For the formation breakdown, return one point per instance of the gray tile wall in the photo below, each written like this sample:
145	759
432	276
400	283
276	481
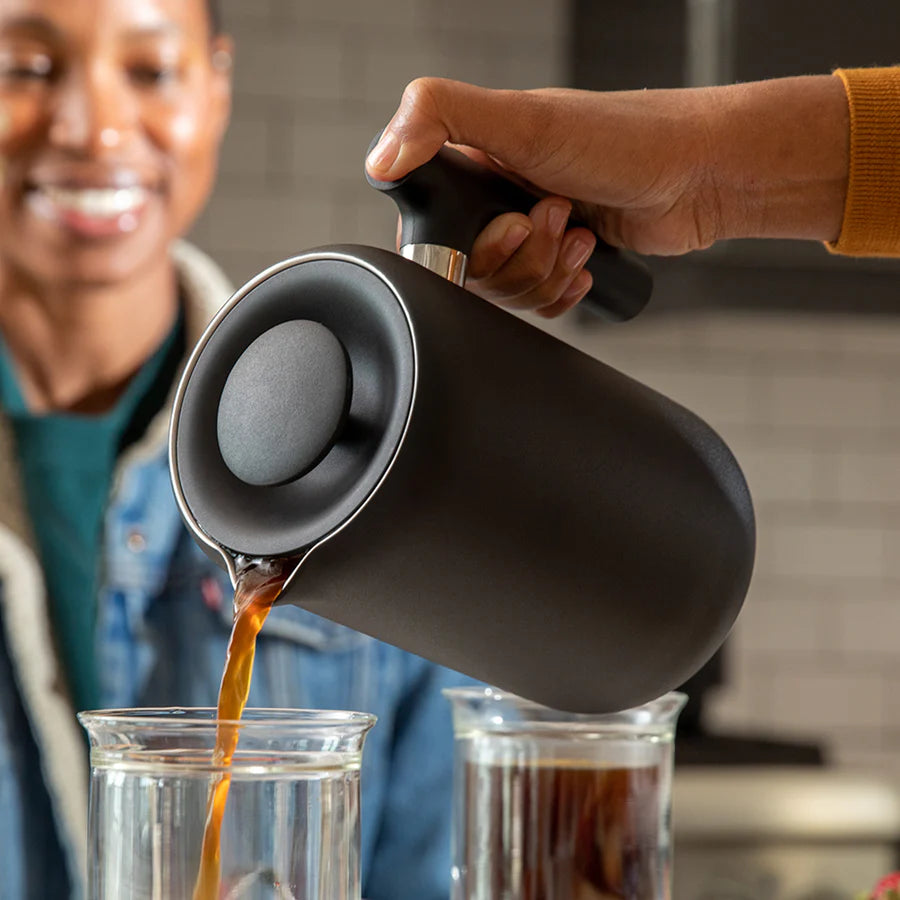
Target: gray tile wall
315	81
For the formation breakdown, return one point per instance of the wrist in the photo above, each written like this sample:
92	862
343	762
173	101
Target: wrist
779	157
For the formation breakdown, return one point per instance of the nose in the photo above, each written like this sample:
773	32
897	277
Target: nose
93	111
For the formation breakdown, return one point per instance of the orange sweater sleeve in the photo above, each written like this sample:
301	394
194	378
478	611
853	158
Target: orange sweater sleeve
871	224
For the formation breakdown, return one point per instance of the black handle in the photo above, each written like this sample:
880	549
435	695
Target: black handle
451	198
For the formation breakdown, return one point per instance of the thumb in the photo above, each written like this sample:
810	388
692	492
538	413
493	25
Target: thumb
436	110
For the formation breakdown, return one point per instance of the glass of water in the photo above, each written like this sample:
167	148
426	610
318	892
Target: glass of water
291	824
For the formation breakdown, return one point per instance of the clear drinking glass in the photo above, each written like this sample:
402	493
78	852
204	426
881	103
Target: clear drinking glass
291	825
555	806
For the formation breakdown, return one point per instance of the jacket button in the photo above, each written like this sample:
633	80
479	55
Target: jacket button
136	542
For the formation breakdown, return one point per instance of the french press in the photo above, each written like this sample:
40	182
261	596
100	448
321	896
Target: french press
454	481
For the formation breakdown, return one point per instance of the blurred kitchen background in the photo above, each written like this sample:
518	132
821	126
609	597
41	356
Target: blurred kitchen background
792	354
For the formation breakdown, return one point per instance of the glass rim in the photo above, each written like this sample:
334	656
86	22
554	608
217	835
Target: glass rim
656	714
487	692
199	717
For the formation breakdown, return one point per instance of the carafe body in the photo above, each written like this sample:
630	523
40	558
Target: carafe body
496	500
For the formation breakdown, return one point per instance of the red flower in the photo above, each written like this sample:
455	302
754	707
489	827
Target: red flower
888	888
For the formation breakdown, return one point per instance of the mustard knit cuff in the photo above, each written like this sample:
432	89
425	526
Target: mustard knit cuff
871	225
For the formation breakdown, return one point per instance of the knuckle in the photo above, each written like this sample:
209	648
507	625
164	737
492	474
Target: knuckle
535	270
421	93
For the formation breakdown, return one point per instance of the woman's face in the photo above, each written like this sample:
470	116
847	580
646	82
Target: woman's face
111	113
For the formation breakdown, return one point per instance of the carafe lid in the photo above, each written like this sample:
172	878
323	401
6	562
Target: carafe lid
293	405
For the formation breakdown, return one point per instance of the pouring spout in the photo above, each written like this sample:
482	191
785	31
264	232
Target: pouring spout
281	569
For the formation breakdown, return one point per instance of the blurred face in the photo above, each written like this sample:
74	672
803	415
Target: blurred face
111	113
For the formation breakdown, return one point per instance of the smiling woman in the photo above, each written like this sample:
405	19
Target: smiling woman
111	115
114	123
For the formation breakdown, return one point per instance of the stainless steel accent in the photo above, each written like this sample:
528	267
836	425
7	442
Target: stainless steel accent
709	39
444	261
227	555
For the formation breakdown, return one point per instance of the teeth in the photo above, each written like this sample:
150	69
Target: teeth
100	203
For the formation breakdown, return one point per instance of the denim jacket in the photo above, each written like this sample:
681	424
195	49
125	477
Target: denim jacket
164	616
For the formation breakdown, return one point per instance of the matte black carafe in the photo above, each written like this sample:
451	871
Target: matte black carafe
455	481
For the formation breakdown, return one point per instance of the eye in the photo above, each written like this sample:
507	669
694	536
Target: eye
150	75
20	68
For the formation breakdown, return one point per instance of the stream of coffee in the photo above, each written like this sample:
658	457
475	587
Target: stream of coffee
258	585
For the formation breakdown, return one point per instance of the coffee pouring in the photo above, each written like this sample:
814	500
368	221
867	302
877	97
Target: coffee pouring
450	479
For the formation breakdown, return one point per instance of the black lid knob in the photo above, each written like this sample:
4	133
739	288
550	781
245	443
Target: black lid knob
283	403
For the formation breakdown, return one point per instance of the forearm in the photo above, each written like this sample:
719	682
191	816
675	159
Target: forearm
665	172
778	157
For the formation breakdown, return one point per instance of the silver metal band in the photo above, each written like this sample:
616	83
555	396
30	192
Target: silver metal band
446	262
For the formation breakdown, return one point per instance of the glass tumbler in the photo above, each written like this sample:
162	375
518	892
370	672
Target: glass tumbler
557	806
291	824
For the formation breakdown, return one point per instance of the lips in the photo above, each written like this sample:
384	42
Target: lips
90	210
98	203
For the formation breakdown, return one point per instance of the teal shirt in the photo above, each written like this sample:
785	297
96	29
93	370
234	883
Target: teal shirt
67	462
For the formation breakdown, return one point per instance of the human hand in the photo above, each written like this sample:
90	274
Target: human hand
658	172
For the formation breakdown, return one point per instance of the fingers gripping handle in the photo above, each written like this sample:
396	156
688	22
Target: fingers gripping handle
450	199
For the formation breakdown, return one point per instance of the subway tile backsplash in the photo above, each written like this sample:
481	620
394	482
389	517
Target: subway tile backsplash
313	84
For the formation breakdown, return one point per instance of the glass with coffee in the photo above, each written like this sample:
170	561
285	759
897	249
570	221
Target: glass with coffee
290	830
558	806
